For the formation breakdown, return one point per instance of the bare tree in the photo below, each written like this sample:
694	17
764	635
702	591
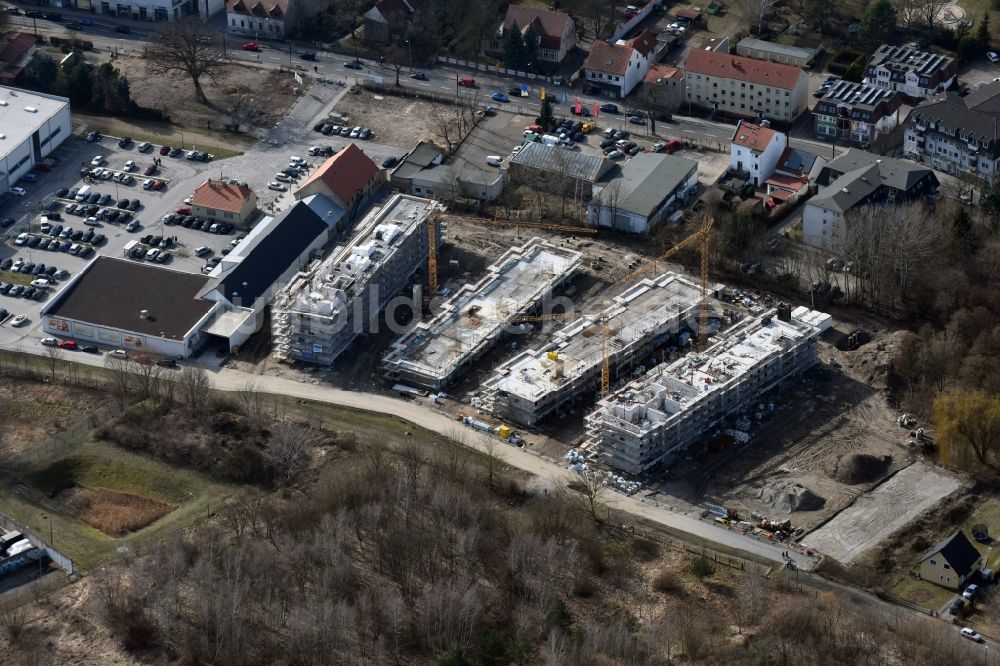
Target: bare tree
187	45
591	485
442	124
14	618
120	378
491	448
287	450
608	199
53	356
753	12
251	400
146	378
194	387
397	58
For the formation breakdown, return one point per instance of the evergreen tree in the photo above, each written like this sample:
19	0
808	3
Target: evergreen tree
983	33
513	49
963	235
546	117
531	41
454	656
878	23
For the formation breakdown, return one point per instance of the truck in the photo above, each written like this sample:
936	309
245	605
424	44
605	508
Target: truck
502	432
550	140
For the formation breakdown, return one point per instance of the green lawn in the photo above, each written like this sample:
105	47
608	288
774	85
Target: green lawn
922	593
974	10
101	465
988	513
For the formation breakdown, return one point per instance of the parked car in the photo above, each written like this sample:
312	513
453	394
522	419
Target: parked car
970	591
609	108
956	606
637	120
972	634
68	343
164	150
118	353
19	320
18	191
993	57
93	136
49	342
616	155
144	147
277	187
499	97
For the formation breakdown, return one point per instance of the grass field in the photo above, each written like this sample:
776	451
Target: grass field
220	144
987	513
922	593
96	465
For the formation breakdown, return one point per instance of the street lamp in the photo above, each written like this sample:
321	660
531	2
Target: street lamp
46	519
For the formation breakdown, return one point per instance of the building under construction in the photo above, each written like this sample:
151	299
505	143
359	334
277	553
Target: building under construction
652	313
648	422
434	353
320	313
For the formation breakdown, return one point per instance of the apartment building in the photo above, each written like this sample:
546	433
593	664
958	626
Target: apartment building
745	86
649	422
321	312
856	112
556	32
614	70
912	72
957	134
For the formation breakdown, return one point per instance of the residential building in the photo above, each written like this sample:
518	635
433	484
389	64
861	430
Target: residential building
389	20
152	10
745	86
793	173
261	19
349	179
854	179
556	32
952	562
912	72
755	149
16	52
856	113
327	308
787	55
131	305
613	70
32	125
558	170
544	381
642	192
649	422
664	86
957	134
225	201
436	352
423	173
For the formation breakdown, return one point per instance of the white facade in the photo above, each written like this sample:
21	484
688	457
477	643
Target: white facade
912	86
261	27
32	125
946	153
758	161
121	338
822	228
744	98
621	84
158	10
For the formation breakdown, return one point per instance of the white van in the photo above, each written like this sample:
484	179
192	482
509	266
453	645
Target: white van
494	160
84	192
550	140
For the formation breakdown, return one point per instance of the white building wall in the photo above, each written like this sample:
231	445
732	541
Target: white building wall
822	228
46	139
255	26
760	164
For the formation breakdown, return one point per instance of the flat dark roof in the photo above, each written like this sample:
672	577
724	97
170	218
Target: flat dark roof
112	292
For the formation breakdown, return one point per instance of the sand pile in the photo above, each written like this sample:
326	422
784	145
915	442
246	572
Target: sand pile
789	496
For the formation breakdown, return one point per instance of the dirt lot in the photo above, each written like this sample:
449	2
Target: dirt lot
246	95
878	513
396	121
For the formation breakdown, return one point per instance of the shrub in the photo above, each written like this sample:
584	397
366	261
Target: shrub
701	568
668	582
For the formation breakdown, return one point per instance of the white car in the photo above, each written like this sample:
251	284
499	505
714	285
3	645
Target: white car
118	353
993	57
277	187
97	161
283	177
130	165
970	591
189	200
50	342
355	132
517	149
21	239
19	320
18	191
147	184
972	634
40	282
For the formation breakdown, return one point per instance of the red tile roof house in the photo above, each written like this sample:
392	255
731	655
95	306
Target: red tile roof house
348	179
15	55
224	201
262	19
556	32
746	86
393	19
614	70
756	150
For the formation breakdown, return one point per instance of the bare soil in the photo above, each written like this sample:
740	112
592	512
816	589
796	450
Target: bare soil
394	120
117	513
246	95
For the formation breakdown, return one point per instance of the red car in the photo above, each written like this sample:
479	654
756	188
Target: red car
673	146
67	344
164	150
158	184
537	129
251	46
183	210
467	82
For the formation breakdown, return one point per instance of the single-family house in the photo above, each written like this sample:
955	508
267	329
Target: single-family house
392	19
556	32
613	70
261	19
225	201
756	149
951	562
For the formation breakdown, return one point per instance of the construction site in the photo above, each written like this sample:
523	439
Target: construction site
583	355
320	312
649	421
473	320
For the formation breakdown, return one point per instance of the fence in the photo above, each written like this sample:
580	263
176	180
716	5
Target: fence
59	558
502	71
891	598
